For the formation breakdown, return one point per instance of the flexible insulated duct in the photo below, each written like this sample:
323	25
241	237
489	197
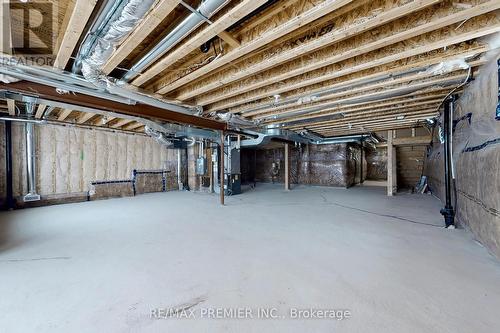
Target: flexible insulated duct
113	27
204	12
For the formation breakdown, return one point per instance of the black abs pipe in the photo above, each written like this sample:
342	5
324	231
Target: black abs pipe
9	200
448	211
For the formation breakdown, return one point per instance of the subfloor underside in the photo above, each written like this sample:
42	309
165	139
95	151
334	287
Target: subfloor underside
115	265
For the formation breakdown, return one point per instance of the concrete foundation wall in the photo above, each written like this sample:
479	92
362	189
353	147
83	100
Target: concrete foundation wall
70	158
476	159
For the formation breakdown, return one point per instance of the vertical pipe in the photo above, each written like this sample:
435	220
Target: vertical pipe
287	167
221	168
9	200
30	156
448	212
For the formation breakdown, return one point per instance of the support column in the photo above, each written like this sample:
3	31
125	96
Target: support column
391	165
287	167
221	169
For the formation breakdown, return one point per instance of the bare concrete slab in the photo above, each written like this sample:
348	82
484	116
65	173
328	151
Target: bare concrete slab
104	266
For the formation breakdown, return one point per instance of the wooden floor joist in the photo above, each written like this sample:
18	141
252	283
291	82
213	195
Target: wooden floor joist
84	117
360	113
79	17
64	114
349	77
375	95
304	18
396	103
40	111
155	16
335	67
394	32
342	29
216	28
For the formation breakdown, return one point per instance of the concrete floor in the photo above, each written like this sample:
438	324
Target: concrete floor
104	266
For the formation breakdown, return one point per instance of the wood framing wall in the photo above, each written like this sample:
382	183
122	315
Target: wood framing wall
69	158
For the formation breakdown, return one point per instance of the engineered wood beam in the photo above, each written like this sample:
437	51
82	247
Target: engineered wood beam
79	18
292	24
216	28
437	17
413	141
155	16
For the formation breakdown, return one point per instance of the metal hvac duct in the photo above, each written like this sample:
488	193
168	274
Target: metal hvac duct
202	14
30	156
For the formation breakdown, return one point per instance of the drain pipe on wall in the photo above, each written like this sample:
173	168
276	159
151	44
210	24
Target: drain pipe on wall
30	156
448	211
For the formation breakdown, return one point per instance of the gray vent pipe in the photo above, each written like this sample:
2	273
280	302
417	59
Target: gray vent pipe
204	12
30	156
